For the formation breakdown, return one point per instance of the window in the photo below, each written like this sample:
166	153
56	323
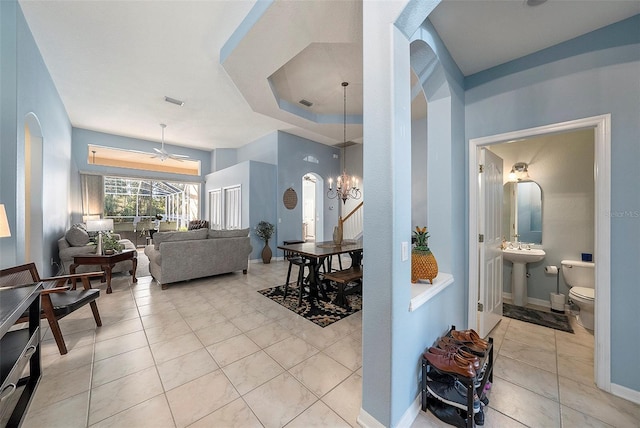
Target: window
233	207
225	208
128	199
215	209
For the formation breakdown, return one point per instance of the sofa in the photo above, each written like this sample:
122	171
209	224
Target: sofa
77	241
181	256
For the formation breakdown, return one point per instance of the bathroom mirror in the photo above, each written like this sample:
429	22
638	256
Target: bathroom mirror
522	212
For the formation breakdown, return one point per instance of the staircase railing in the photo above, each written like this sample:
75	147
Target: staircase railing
352	223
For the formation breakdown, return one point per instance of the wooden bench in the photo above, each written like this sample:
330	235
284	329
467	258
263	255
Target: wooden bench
342	278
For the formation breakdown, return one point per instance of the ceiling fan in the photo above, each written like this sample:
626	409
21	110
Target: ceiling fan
162	154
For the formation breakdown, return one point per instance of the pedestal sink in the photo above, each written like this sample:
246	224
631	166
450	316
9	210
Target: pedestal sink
520	258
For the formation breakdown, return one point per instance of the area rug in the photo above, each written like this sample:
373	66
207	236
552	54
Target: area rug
318	311
533	316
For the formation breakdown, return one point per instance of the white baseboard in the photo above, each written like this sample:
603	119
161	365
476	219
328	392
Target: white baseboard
365	420
626	393
411	413
530	300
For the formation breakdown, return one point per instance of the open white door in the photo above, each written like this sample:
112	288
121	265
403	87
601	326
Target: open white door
490	254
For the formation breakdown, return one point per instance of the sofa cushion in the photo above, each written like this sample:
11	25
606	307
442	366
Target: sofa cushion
231	233
190	235
77	236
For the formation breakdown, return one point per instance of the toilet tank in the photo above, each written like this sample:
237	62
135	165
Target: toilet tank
579	274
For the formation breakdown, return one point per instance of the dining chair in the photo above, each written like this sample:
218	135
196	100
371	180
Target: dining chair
295	259
57	299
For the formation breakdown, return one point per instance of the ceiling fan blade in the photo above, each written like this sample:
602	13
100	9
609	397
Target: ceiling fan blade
158	150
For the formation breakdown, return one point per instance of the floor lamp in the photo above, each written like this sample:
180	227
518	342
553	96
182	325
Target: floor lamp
4	223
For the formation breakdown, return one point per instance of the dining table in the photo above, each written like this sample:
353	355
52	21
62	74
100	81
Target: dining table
318	252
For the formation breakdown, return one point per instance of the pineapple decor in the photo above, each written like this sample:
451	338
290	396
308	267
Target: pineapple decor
423	263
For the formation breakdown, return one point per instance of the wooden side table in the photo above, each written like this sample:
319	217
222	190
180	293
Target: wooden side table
106	262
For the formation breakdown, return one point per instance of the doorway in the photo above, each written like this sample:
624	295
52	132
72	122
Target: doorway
602	161
309	210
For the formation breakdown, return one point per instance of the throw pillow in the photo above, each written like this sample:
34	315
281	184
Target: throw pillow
77	236
160	237
230	233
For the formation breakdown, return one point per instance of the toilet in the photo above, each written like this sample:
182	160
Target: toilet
580	277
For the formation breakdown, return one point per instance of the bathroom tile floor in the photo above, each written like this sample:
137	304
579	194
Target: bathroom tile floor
544	378
214	353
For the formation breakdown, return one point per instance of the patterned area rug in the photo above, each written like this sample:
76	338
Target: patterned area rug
533	316
318	311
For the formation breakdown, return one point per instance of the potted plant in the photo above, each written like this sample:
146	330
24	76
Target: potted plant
110	244
423	262
264	231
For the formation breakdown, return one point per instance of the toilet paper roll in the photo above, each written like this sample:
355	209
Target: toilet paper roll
552	270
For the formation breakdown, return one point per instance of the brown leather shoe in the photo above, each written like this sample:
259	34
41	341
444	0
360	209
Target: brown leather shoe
469	359
470	336
455	347
446	341
448	364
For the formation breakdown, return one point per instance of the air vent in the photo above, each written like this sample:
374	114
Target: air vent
174	101
305	103
347	144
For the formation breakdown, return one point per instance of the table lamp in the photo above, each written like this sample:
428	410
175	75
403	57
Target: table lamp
4	223
99	226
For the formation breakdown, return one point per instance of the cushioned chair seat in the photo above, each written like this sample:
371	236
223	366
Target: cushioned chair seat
69	301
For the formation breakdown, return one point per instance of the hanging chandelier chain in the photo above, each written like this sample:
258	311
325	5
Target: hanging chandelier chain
344	136
346	187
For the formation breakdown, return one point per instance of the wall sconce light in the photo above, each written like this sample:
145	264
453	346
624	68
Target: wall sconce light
519	171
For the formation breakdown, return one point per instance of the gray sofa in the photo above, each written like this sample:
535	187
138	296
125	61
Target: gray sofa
76	242
180	256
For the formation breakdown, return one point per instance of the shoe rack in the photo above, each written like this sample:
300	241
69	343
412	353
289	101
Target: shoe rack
467	382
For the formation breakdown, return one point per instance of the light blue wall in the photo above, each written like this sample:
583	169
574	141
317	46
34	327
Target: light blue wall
8	125
83	137
27	88
282	154
223	158
239	174
264	149
258	181
291	168
592	75
394	338
263	200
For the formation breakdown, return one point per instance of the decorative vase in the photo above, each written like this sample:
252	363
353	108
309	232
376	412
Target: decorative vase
337	234
266	253
423	266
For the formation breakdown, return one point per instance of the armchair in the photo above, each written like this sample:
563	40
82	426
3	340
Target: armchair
57	299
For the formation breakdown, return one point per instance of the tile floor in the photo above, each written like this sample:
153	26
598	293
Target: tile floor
214	353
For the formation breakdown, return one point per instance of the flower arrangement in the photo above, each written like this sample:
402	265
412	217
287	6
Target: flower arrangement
265	230
110	243
422	237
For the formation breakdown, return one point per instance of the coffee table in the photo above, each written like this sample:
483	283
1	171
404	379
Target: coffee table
106	262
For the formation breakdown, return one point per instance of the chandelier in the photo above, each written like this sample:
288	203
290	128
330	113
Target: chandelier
346	186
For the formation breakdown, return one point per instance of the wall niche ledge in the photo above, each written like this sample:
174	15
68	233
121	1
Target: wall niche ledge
422	291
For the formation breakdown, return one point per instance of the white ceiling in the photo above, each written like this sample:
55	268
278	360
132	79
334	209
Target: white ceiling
114	61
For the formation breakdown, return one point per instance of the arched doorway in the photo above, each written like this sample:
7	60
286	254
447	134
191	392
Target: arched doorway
33	209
